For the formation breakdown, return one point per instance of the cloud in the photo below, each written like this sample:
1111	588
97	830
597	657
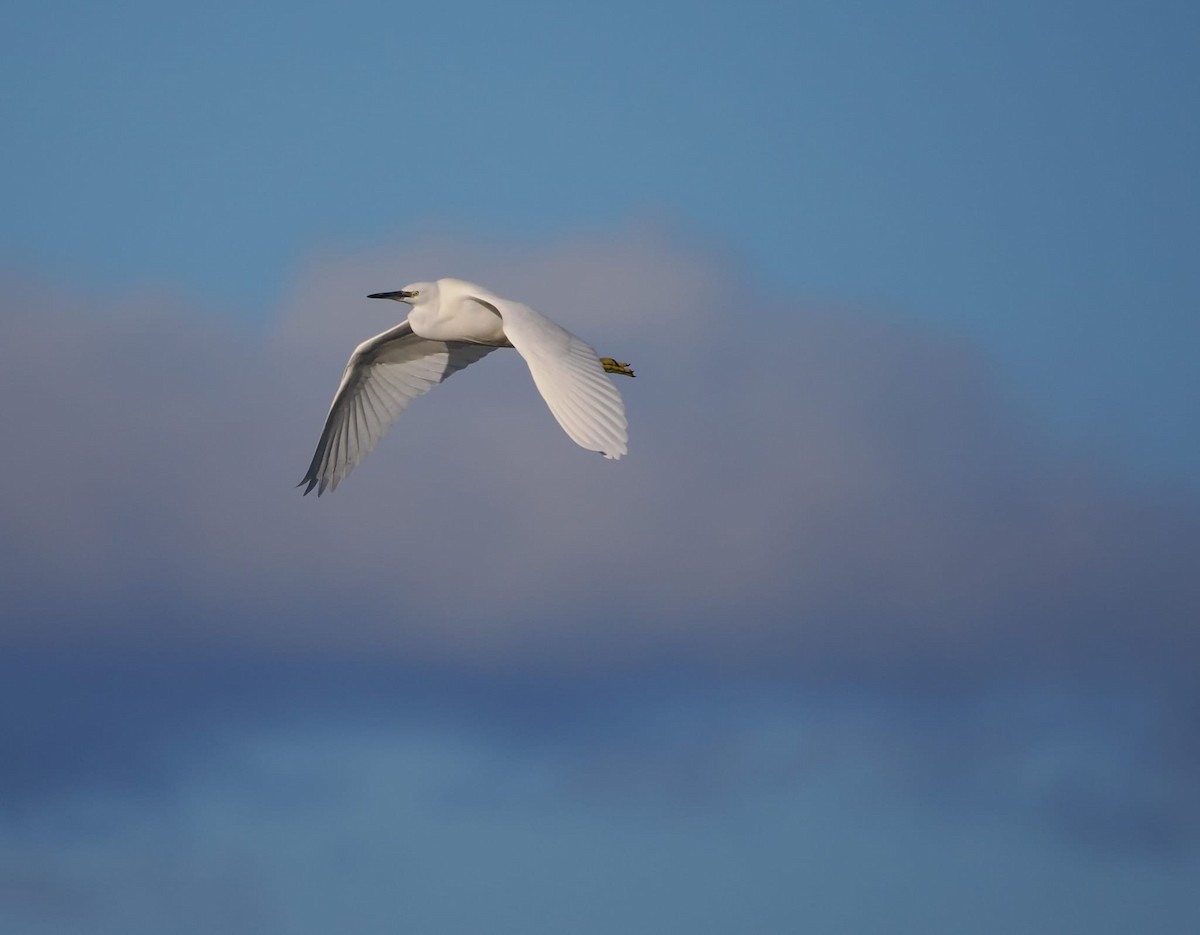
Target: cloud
807	488
379	795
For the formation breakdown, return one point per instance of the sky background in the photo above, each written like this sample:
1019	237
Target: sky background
888	620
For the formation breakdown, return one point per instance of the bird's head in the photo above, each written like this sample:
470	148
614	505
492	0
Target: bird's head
416	293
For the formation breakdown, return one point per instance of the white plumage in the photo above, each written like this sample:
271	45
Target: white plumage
453	324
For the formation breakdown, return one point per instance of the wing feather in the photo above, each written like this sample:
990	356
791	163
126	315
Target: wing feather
383	375
570	377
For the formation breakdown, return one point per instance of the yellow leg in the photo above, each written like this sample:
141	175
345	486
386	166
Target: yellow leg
612	366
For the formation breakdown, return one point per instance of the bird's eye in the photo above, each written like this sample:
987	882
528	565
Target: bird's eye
416	292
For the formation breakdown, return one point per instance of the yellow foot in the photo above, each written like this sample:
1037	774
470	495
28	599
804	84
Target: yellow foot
612	366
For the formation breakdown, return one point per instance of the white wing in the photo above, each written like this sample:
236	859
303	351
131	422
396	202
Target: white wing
383	376
570	378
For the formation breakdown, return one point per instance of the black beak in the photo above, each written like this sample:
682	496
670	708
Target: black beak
399	295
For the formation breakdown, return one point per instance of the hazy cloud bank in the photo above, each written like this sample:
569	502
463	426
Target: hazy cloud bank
804	484
844	621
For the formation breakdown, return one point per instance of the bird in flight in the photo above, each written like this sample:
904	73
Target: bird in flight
452	324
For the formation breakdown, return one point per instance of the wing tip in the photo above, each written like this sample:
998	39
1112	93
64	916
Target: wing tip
312	481
616	453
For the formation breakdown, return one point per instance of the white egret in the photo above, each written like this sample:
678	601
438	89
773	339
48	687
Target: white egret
452	324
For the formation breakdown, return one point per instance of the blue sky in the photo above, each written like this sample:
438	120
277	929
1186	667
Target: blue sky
884	624
1024	175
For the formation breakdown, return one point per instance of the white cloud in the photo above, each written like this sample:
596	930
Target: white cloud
803	485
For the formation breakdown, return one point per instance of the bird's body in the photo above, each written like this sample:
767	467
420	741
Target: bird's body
461	313
452	324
